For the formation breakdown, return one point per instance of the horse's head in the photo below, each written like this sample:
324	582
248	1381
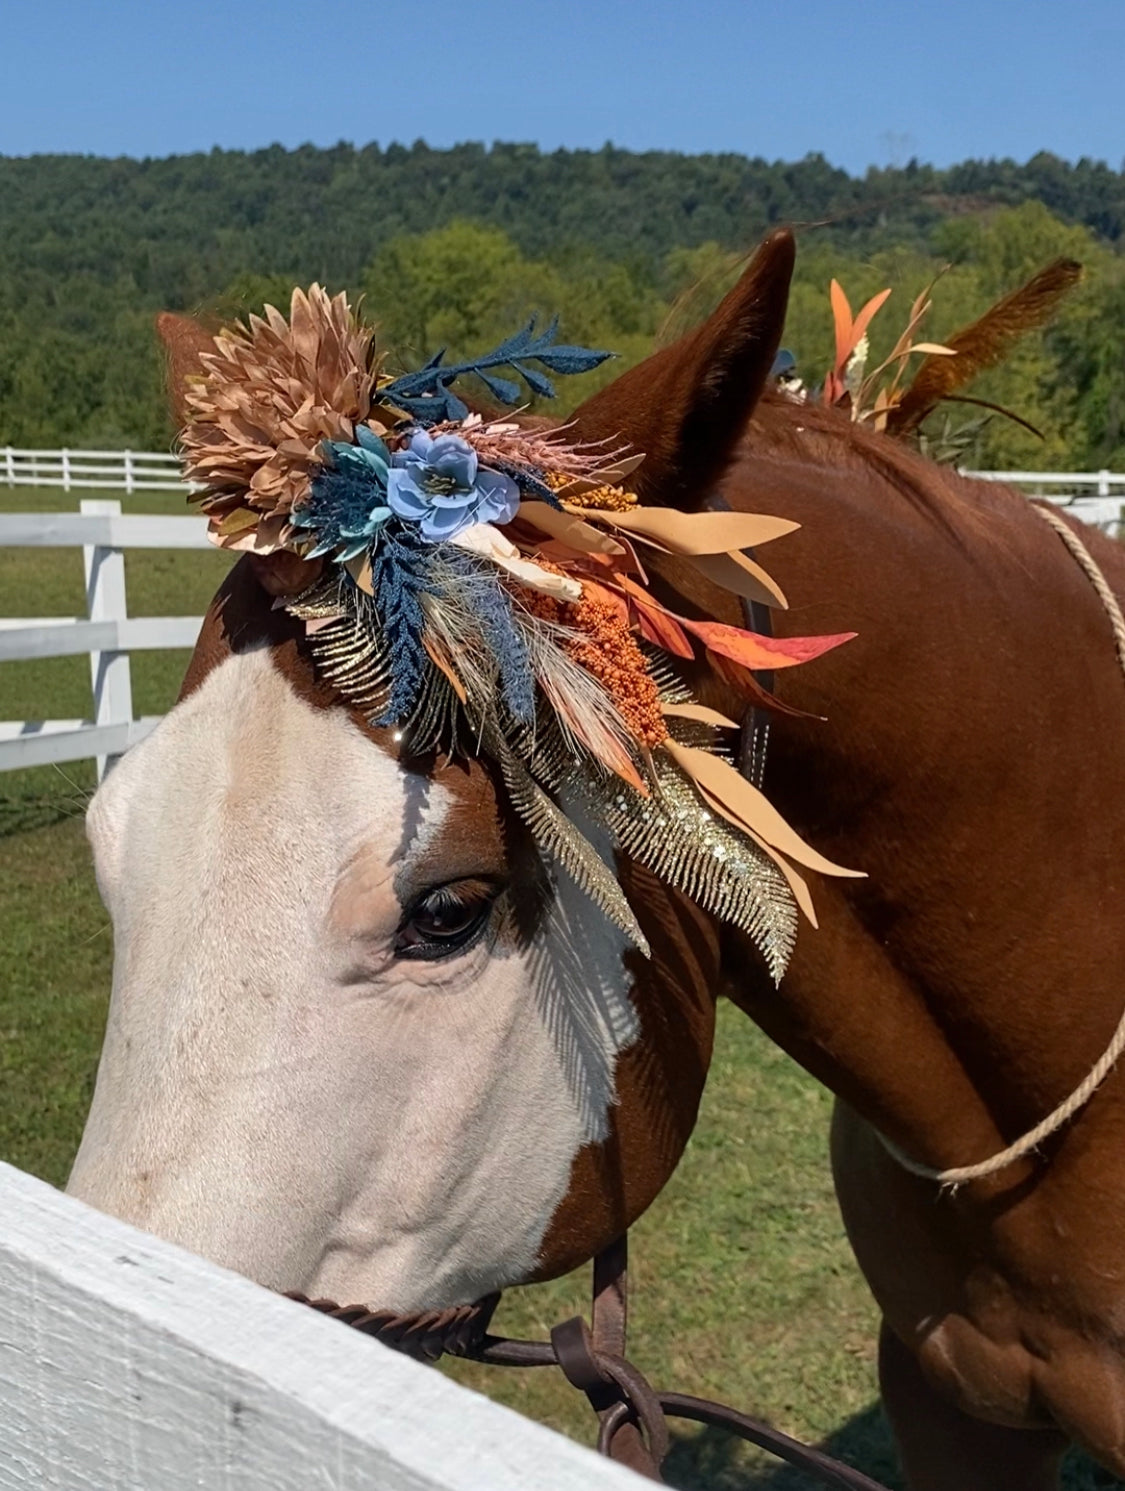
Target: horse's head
361	1041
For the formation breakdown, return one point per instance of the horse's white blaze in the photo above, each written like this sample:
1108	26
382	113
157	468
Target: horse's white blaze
277	1090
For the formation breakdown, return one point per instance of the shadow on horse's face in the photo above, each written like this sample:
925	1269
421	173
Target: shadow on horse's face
362	1043
347	1054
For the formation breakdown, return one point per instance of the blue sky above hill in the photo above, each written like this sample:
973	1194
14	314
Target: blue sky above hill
874	83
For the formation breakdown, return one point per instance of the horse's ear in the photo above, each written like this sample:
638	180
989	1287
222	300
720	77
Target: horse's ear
184	342
687	405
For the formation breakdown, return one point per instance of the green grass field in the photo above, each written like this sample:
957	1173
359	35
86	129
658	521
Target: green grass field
743	1286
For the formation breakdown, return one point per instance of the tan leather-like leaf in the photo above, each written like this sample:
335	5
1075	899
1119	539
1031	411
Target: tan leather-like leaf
694	533
699	712
741	576
606	476
796	883
236	521
749	808
573	532
360	570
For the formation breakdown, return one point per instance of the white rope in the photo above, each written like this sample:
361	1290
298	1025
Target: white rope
959	1174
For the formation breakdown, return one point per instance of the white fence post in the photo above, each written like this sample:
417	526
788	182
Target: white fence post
129	473
65	469
10	465
1103	483
105	601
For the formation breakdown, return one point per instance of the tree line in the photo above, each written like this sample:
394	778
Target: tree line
455	247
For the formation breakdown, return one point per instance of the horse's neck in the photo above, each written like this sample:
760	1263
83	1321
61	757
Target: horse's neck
968	760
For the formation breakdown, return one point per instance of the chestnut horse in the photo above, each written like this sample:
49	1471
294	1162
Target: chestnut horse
315	1072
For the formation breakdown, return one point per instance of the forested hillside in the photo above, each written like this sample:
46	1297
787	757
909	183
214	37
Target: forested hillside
456	246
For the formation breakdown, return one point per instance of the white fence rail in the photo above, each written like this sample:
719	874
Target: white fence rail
108	633
1096	497
126	1363
159	471
116	470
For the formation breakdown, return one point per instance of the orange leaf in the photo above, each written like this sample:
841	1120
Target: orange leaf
657	625
757	652
842	316
602	744
612	598
745	682
863	320
662	630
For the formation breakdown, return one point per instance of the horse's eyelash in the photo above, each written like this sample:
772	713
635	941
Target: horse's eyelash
461	893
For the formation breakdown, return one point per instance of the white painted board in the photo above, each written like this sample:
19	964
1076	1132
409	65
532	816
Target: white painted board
127	1364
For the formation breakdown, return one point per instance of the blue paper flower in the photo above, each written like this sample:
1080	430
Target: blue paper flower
347	505
439	485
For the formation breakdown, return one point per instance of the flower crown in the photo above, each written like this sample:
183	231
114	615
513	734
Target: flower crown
483	593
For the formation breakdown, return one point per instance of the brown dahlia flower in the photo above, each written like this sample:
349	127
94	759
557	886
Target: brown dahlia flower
272	391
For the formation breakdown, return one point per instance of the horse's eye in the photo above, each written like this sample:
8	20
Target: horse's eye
447	919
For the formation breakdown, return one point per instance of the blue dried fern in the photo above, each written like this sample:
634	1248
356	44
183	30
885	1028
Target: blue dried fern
399	575
427	395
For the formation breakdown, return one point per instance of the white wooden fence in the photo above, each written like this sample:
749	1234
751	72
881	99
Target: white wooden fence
118	470
1096	497
108	634
159	471
127	1364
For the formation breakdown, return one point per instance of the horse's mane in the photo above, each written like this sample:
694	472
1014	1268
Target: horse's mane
785	429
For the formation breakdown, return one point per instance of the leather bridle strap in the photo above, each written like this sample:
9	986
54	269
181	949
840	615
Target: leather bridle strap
756	721
632	1415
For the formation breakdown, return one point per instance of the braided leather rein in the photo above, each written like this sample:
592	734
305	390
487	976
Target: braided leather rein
633	1416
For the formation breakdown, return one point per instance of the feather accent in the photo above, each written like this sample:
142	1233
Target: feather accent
497	443
984	343
796	882
695	851
558	836
487	627
399	578
350	654
452	631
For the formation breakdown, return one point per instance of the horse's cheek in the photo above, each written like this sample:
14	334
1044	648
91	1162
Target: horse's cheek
659	1083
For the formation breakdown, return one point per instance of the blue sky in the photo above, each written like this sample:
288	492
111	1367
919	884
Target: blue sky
868	83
